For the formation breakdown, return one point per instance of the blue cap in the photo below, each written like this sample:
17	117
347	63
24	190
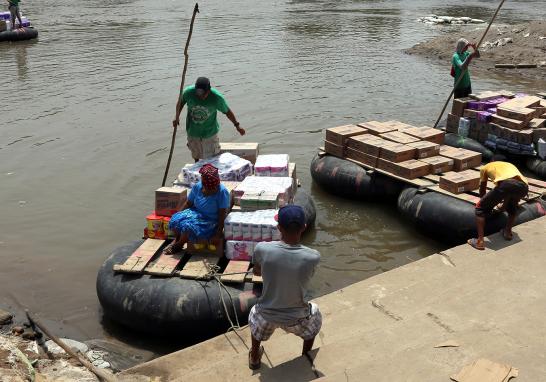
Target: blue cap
291	214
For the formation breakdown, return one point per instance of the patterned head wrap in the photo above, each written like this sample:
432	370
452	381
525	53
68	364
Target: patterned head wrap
461	44
209	176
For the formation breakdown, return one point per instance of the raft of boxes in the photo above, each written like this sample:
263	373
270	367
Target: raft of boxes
405	151
515	123
258	185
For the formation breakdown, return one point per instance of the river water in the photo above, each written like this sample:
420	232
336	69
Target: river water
85	117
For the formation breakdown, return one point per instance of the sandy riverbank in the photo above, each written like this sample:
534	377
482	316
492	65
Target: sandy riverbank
504	44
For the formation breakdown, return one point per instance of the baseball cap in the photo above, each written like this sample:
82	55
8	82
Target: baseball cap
202	85
291	214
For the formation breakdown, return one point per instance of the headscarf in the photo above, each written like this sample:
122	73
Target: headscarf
209	176
461	44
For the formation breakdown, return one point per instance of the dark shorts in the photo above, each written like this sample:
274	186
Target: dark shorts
462	92
509	191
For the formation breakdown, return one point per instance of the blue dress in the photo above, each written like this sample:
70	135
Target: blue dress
200	221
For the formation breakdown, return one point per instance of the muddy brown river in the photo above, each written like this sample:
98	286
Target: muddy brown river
85	125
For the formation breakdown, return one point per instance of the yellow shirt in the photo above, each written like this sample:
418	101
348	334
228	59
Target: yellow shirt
498	171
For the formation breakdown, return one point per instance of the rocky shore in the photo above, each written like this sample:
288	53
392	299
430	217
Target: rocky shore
504	44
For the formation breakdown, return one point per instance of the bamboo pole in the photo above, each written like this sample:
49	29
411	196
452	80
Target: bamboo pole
465	69
195	11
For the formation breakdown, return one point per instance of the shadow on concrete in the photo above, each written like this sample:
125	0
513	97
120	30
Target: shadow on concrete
300	369
497	242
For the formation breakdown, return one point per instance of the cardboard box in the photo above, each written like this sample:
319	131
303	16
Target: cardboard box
369	144
397	153
339	135
376	128
539	133
508	134
438	164
522	114
411	169
537	123
333	149
399	126
473	131
386	165
459	182
468	113
521	102
425	149
427	134
361	157
452	124
245	150
169	200
459	104
507	122
482	135
463	159
524	137
399	137
493	129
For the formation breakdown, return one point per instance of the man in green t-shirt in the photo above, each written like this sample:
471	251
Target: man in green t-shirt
460	61
201	122
14	10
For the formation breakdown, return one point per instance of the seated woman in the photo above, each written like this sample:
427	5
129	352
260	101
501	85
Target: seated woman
202	216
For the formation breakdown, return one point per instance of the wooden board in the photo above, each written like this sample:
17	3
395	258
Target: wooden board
465	197
141	257
235	267
197	267
165	265
251	278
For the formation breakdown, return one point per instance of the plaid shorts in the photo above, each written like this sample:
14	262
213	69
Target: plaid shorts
306	328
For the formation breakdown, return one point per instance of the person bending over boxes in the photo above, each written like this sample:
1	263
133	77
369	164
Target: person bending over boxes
202	216
510	187
286	267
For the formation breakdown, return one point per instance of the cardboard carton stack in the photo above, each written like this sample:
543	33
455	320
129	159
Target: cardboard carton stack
500	120
405	151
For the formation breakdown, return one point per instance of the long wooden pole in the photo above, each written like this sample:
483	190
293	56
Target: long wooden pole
195	11
466	68
101	374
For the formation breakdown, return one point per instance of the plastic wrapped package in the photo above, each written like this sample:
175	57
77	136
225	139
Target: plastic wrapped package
281	186
230	168
253	226
272	165
240	250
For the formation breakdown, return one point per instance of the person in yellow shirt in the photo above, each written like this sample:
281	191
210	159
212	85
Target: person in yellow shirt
510	187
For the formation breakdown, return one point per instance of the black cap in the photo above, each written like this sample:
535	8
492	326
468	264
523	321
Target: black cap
202	83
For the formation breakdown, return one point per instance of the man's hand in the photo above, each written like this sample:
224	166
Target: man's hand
240	130
176	122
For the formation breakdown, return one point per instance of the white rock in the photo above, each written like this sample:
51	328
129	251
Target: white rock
526	35
74	345
477	21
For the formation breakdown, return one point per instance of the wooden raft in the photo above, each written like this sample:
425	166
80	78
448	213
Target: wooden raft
198	267
164	265
238	269
537	188
141	257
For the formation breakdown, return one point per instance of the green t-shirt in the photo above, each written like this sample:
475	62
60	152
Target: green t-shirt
201	121
457	61
14	2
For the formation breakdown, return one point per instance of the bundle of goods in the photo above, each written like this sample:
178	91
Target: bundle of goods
5	21
271	165
515	123
401	150
242	230
245	150
230	167
276	190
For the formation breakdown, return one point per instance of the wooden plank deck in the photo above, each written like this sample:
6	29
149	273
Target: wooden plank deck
141	257
198	267
164	265
237	267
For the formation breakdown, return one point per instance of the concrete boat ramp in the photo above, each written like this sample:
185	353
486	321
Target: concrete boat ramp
481	304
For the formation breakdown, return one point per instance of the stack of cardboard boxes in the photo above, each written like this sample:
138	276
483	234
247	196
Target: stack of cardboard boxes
500	120
399	149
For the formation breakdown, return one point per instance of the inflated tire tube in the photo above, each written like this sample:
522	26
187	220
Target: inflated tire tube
19	34
452	220
303	199
169	306
344	178
537	166
455	140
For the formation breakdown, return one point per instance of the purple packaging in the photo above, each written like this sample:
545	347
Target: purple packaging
473	105
484	116
493	110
